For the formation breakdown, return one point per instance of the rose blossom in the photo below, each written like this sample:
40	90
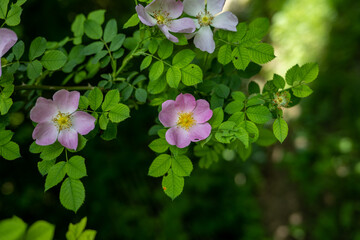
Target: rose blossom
187	119
58	119
163	13
207	17
7	39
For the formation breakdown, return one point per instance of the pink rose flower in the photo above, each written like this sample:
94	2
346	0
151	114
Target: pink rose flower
207	17
58	120
187	119
164	13
7	39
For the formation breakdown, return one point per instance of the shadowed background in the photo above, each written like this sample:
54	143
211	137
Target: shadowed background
305	188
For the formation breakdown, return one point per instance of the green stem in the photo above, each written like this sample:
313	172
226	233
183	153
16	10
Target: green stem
66	155
113	61
53	88
159	59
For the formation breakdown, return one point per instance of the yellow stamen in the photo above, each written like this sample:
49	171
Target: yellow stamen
62	121
186	120
205	19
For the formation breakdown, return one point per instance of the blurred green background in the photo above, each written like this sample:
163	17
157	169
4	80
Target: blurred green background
305	188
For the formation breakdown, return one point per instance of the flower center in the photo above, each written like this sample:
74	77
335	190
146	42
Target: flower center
281	99
186	120
161	17
205	19
62	121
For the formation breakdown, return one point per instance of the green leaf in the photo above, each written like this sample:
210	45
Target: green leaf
280	129
183	58
75	230
95	98
5	105
34	69
103	121
77	27
237	117
266	137
119	113
278	81
240	58
141	95
88	235
157	86
111	132
172	184
10	151
117	42
302	91
181	165
237	95
98	16
51	151
145	63
261	53
12	229
159	145
259	27
7	91
133	21
165	49
3	8
310	72
160	165
173	77
37	48
293	75
252	130
53	60
234	106
259	114
55	175
5	136
225	54
253	88
45	165
93	29
18	49
112	98
40	230
92	48
83	102
222	90
110	31
156	70
76	168
217	117
72	194
228	131
153	46
13	16
191	75
240	33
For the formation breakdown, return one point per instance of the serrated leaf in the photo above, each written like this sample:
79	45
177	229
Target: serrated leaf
191	75
37	48
302	91
310	72
10	151
12	229
280	129
119	113
133	21
222	90
3	8
40	230
93	29
72	194
159	145
234	106
77	27
259	114
13	16
145	63
5	104
293	75
34	69
112	98
240	58
117	42
53	60
157	86
18	49
172	185
217	117
160	165
5	136
45	165
51	151
173	77
181	165
95	98
183	58
110	30
55	175
261	53
156	70
97	15
165	49
76	168
278	81
92	48
141	95
252	130
225	54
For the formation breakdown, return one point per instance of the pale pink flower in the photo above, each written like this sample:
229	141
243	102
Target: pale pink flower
58	120
206	17
164	13
7	39
187	119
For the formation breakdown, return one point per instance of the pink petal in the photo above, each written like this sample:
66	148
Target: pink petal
204	39
82	122
43	111
144	17
185	102
226	21
168	115
183	25
199	132
202	112
67	102
168	35
178	136
194	7
45	133
68	138
215	6
8	39
172	7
